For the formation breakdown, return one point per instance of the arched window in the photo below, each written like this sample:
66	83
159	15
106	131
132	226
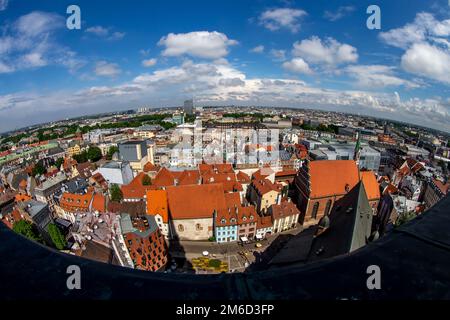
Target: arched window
327	207
315	210
180	228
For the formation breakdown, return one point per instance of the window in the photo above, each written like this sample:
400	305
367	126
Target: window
180	228
327	207
198	227
315	210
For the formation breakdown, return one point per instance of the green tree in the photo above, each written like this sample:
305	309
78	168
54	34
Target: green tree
146	180
404	218
38	169
27	229
80	158
57	237
59	162
94	154
111	152
116	193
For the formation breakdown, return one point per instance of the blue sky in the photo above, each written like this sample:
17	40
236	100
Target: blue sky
313	54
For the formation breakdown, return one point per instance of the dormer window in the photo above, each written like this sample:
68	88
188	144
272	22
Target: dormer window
251	217
233	220
244	218
223	221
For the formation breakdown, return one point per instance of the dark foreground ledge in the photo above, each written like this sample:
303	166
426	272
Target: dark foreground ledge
414	262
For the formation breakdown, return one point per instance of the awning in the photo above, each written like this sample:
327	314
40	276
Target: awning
258	236
244	239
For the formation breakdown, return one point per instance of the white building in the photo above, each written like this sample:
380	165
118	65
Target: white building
116	172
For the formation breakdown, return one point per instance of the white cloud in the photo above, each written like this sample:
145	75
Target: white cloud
117	35
429	61
3	5
34	59
29	42
106	33
149	62
258	49
297	65
278	55
426	44
282	18
377	76
232	82
202	44
106	69
424	27
217	84
98	31
329	51
38	23
340	13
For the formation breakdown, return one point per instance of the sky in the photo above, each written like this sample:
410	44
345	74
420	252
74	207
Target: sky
308	54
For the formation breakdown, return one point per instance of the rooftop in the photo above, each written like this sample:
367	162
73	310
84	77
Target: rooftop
416	246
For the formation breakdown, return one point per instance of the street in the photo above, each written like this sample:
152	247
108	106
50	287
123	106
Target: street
238	256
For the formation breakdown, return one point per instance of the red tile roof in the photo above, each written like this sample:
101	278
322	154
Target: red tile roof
390	189
233	199
247	215
242	177
164	178
150	167
22	197
99	203
23	184
264	222
370	185
70	201
286	173
264	186
189	177
157	204
226	217
284	209
195	201
135	189
332	177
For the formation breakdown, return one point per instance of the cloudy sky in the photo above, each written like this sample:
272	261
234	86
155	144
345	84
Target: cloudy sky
312	54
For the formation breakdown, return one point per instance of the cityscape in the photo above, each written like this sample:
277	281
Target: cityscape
200	187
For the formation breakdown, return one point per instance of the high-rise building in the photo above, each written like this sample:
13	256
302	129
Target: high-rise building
188	106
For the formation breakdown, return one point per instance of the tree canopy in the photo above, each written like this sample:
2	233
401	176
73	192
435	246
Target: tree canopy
27	229
116	193
146	180
111	152
94	154
57	237
38	169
